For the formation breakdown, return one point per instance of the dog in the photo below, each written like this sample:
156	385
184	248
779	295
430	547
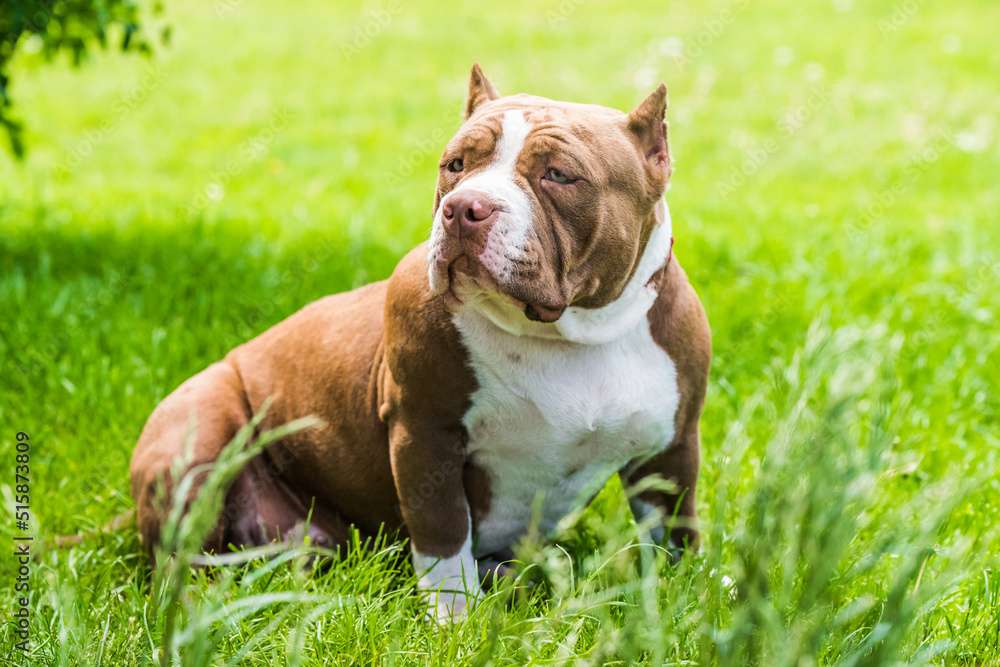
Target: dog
545	338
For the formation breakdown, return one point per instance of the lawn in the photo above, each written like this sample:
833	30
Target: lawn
835	205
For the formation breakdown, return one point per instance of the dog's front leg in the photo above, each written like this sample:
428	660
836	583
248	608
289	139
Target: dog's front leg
674	503
427	464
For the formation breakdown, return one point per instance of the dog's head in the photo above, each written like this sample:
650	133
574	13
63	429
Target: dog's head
543	205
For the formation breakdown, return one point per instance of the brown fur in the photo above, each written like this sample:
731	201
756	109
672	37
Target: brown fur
385	368
678	323
588	262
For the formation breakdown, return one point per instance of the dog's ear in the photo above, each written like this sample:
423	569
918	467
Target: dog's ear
480	90
646	124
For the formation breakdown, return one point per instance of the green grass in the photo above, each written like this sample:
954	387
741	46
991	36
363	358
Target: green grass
835	205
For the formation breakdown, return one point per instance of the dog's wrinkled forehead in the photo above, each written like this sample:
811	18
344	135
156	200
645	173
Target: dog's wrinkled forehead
569	116
600	145
590	137
547	203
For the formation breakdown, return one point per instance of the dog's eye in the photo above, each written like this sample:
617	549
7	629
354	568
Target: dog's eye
556	176
456	165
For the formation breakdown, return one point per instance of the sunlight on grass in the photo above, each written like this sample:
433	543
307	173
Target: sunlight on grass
834	205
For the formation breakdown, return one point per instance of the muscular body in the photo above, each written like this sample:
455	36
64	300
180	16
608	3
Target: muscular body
545	338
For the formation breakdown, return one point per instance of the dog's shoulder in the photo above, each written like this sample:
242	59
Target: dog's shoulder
423	349
678	324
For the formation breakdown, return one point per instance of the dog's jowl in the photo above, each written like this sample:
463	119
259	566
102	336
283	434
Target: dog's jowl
544	339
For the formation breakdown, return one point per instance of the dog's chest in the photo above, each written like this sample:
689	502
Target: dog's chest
552	421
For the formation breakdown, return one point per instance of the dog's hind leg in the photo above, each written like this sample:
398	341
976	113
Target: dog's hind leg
208	409
261	508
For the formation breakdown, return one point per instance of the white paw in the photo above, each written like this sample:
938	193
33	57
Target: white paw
448	606
450	582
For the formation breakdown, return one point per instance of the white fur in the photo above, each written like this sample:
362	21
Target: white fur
438	282
513	225
560	407
453	582
600	325
556	414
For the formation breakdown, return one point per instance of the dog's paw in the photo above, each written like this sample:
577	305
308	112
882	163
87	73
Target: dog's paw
446	607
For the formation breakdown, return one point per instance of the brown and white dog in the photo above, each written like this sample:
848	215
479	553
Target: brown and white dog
543	340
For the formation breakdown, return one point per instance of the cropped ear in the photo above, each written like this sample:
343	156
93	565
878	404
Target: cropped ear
480	91
645	122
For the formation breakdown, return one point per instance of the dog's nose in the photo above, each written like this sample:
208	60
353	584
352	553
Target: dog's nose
466	213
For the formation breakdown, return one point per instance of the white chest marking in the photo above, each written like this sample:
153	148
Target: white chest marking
556	418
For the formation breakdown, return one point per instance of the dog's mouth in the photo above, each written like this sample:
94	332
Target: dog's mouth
540	313
455	297
469	282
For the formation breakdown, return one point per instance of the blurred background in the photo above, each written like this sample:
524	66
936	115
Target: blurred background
836	166
831	157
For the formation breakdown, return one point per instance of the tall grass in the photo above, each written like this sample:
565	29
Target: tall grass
811	559
848	494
